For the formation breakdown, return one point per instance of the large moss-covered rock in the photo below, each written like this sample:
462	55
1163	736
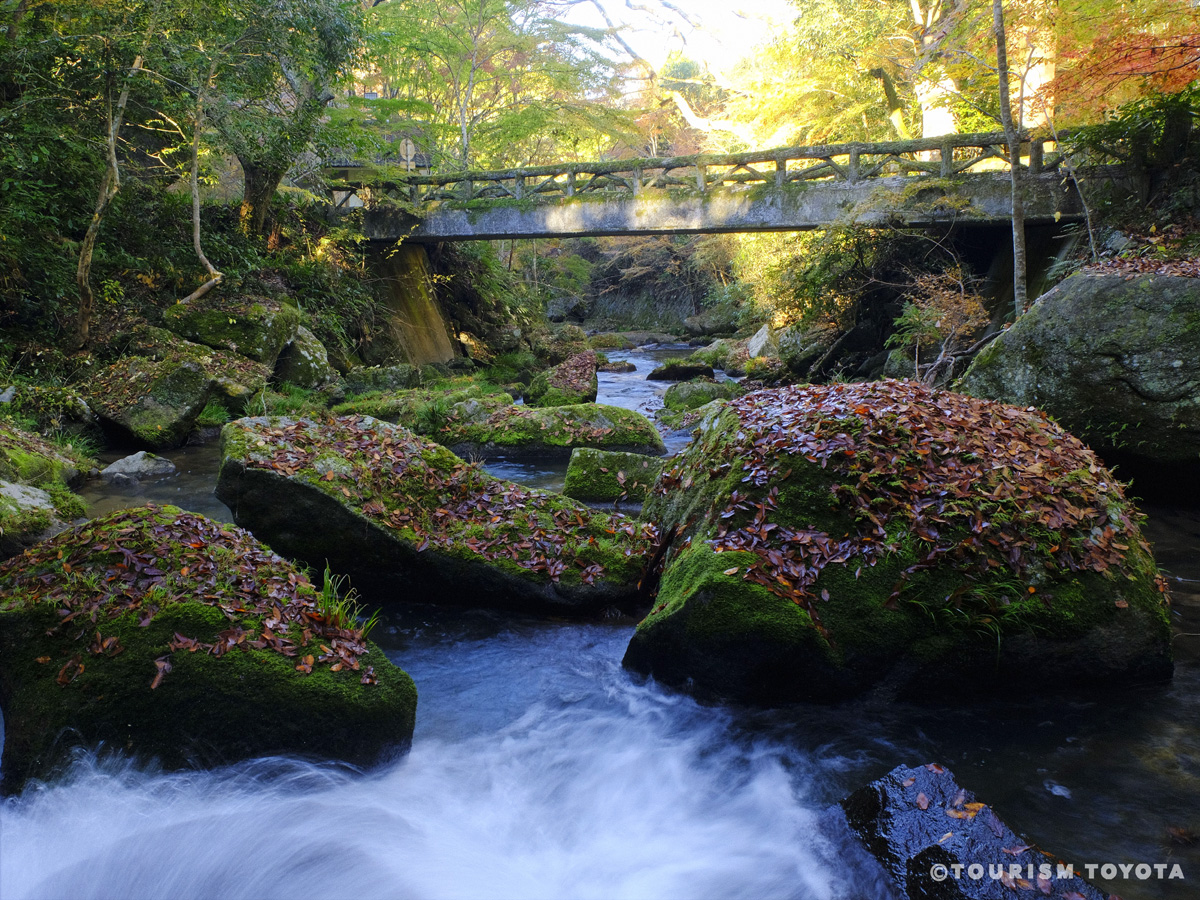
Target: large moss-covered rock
693	394
257	327
406	517
552	433
154	402
304	362
680	370
828	539
236	379
1114	359
35	500
803	346
367	379
160	633
599	476
570	382
478	421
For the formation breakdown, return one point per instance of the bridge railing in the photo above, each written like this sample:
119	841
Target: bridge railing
850	162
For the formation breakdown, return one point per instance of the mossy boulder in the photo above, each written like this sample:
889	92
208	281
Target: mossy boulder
406	517
154	402
693	394
429	411
828	539
304	362
1113	358
727	355
369	379
570	382
680	370
553	432
599	476
35	500
253	326
162	634
236	379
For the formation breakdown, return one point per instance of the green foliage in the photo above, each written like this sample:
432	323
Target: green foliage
338	605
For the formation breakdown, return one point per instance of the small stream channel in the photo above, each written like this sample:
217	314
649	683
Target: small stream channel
540	769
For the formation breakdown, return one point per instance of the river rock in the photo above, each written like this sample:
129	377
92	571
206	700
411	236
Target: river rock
828	539
366	379
764	342
694	394
552	433
304	362
406	517
136	467
599	476
253	326
186	641
1114	359
151	401
35	500
236	379
938	842
570	382
680	370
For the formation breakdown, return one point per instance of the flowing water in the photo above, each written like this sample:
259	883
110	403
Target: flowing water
539	768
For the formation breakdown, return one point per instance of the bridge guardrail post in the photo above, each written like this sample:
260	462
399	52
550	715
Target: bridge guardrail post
1037	155
852	168
571	183
946	157
519	187
780	171
701	177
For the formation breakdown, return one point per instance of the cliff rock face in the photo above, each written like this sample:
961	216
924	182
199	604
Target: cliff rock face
1116	361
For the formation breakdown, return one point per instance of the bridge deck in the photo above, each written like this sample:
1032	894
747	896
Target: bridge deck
958	178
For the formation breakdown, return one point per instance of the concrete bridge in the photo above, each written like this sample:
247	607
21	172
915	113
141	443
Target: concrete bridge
954	179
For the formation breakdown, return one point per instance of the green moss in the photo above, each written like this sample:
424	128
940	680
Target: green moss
254	327
171	664
552	430
398	488
599	476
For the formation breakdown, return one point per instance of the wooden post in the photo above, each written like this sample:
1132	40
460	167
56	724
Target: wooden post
701	177
637	182
571	183
519	186
852	170
1037	155
468	190
946	153
780	172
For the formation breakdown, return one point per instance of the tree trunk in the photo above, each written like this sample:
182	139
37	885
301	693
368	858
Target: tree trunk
214	277
1013	139
261	183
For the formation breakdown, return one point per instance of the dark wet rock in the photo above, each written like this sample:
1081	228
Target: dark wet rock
680	371
136	467
151	402
938	842
407	518
803	346
257	327
830	539
186	641
1112	358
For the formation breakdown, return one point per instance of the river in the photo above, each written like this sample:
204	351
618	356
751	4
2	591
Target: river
540	769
